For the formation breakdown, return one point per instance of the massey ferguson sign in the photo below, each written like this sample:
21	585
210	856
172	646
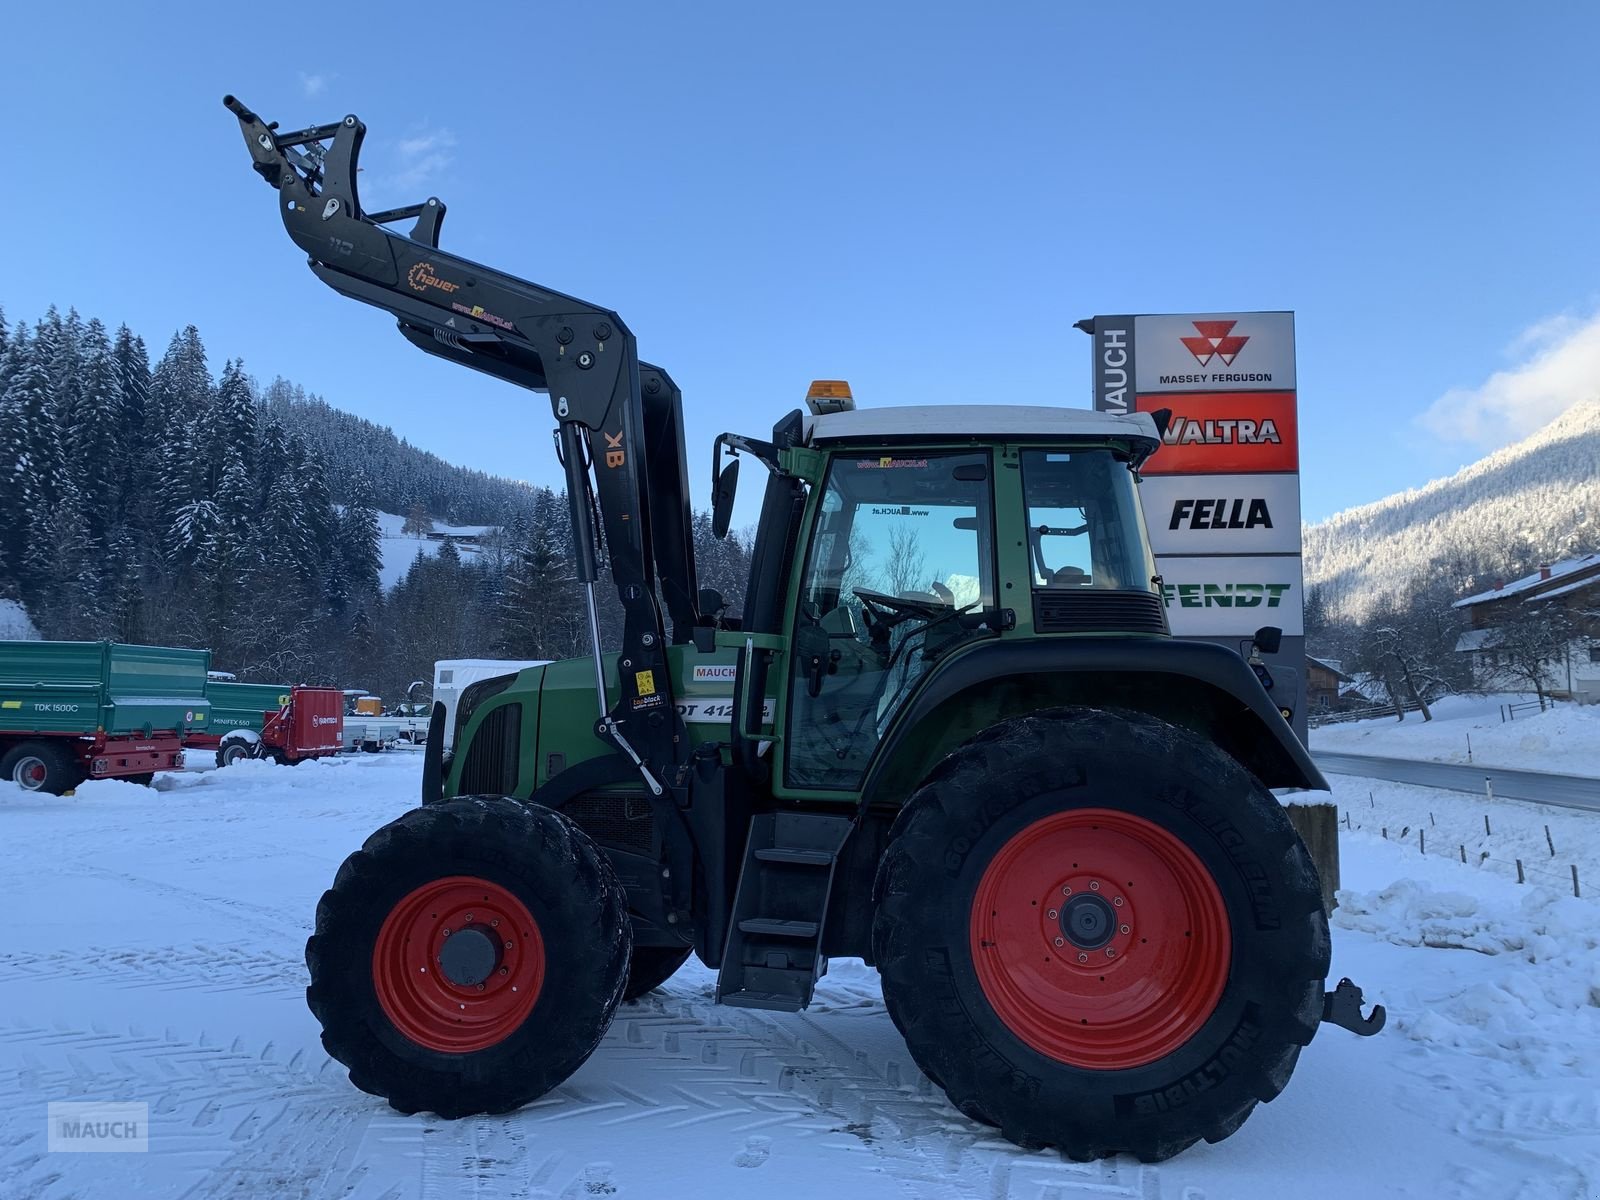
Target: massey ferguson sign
1224	352
1222	495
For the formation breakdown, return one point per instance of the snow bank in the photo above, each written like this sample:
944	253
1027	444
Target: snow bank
1565	739
1541	1009
15	624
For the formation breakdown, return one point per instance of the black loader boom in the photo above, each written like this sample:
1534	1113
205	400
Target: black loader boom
619	428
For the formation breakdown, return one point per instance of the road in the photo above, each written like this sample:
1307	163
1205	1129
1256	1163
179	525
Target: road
1540	787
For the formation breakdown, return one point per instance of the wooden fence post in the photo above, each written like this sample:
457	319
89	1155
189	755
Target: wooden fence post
1318	827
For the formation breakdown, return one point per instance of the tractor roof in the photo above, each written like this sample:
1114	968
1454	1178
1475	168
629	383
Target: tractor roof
936	422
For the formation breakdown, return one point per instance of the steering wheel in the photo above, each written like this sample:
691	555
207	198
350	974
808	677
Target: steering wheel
884	609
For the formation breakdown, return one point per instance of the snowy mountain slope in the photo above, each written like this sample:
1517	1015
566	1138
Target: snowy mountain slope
400	550
1538	499
14	623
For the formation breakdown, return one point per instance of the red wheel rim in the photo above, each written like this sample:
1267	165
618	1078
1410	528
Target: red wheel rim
1105	996
409	969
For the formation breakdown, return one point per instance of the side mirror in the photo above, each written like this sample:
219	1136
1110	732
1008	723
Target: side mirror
1268	638
722	501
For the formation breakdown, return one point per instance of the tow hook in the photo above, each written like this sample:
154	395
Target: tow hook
1342	1007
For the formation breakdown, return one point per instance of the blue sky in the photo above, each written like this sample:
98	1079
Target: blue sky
920	198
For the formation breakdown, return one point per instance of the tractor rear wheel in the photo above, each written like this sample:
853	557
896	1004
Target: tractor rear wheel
469	956
1098	932
650	967
41	767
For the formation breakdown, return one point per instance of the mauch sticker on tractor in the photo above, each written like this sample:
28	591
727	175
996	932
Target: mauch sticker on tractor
714	673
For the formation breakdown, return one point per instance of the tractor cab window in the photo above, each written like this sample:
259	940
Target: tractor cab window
1085	529
898	575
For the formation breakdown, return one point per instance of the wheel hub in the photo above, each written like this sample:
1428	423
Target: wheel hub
469	956
1069	965
1087	921
458	964
31	773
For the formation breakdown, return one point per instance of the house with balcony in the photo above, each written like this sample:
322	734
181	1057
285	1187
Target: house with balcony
1574	584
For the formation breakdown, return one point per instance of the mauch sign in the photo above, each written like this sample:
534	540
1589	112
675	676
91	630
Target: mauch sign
1222	514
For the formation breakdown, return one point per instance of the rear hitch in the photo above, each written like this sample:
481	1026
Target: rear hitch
1342	1007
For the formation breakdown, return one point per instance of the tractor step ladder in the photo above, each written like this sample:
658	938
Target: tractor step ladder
774	953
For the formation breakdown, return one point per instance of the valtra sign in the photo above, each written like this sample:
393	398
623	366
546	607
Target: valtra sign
1230	432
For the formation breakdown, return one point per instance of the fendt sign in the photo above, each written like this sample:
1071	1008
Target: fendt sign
1222	495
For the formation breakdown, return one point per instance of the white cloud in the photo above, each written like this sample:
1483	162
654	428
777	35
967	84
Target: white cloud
1559	365
419	158
313	85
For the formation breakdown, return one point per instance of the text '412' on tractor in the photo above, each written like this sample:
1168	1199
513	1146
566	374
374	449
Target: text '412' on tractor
948	733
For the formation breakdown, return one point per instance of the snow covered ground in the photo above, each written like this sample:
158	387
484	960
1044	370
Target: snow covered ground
153	954
14	622
400	550
1564	739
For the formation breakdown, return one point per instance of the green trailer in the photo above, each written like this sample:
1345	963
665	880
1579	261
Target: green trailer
242	706
71	711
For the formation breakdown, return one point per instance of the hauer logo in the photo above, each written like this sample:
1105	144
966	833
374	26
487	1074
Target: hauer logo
1215	339
1219	514
1222	431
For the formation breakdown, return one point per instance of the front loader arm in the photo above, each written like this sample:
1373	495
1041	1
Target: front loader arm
581	354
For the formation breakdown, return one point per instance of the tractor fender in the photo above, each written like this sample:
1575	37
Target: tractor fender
1196	685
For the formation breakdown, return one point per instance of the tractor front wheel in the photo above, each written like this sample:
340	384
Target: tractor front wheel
469	956
1098	932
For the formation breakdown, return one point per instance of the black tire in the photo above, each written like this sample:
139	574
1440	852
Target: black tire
234	748
650	967
549	866
45	767
1029	770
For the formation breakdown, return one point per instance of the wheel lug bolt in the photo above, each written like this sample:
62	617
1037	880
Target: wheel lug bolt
480	987
1083	958
469	918
446	933
505	971
1066	891
508	945
1117	900
1110	952
1094	885
495	922
1122	929
1061	941
1051	914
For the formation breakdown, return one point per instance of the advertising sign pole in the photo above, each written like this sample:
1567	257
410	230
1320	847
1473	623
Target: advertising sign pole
1222	495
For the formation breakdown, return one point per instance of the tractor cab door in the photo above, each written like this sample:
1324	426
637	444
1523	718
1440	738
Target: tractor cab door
899	572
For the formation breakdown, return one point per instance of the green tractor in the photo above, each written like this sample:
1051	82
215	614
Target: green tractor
947	732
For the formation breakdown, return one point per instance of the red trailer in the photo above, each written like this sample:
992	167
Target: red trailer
308	722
